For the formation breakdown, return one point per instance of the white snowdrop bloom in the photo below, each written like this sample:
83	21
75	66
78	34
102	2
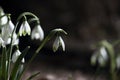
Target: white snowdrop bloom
7	31
24	29
37	33
15	56
57	43
2	42
8	28
4	19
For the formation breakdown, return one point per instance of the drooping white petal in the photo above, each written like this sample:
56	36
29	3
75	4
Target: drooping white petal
103	57
6	32
37	33
56	44
24	29
15	56
4	19
10	26
103	53
15	40
62	43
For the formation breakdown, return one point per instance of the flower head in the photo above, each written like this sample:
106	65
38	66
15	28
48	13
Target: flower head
37	33
24	29
57	43
15	56
7	32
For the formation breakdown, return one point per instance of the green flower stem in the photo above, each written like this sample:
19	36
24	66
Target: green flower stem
28	14
111	53
5	15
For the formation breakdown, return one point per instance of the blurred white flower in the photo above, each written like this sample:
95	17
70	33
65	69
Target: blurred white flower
7	32
4	19
24	29
15	56
57	43
103	53
37	33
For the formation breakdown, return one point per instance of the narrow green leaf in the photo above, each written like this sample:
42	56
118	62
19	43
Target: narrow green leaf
33	76
3	63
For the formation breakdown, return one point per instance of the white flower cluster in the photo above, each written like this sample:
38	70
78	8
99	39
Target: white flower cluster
8	34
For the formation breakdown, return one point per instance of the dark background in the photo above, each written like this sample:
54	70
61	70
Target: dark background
86	21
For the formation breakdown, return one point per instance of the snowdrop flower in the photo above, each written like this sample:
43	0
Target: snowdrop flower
7	32
2	42
24	29
15	56
8	28
57	43
4	19
37	33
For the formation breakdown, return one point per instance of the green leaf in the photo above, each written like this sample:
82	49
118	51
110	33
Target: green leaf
33	76
3	63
